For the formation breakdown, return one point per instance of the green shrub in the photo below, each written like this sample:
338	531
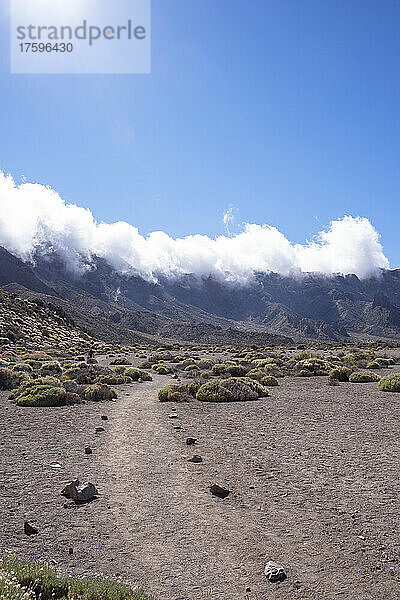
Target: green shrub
174	393
340	373
24	385
187	362
363	377
380	363
162	369
303	356
314	366
22	368
229	369
46	395
99	391
51	368
120	360
260	390
390	383
229	390
8	379
82	373
359	356
261	362
305	373
205	363
269	380
192	367
136	374
38	581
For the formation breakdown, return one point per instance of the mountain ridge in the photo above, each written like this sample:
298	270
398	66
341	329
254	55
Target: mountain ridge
336	308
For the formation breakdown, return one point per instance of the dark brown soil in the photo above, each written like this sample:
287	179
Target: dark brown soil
314	474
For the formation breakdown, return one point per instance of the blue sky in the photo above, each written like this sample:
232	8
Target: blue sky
286	110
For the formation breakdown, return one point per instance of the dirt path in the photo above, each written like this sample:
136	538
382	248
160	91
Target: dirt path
180	537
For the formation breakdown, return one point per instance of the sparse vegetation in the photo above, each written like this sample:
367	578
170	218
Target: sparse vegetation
21	580
390	383
228	390
99	391
362	377
340	373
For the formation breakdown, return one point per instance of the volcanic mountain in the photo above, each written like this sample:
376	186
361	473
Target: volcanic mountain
270	308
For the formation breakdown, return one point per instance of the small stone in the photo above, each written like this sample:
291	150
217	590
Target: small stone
177	427
88	450
274	572
190	441
196	459
56	466
140	380
248	589
80	492
70	551
173	416
104	418
219	490
30	529
99	429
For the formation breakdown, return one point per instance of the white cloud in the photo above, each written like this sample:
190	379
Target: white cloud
34	216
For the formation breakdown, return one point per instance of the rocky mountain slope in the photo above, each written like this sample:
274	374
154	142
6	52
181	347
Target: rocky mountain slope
269	309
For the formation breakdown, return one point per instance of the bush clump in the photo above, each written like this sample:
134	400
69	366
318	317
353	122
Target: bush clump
229	390
136	374
8	379
390	383
313	366
22	368
46	395
50	368
340	373
99	391
269	380
205	363
362	377
380	363
120	360
162	369
174	393
229	369
260	390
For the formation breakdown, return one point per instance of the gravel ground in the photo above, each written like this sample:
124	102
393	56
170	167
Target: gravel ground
313	469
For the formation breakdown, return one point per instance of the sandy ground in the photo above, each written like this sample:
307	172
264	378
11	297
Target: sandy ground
314	474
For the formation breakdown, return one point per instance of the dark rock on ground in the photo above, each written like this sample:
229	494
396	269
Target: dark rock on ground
80	492
30	529
274	572
219	490
196	459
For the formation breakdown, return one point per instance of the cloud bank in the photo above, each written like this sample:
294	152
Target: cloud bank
34	217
